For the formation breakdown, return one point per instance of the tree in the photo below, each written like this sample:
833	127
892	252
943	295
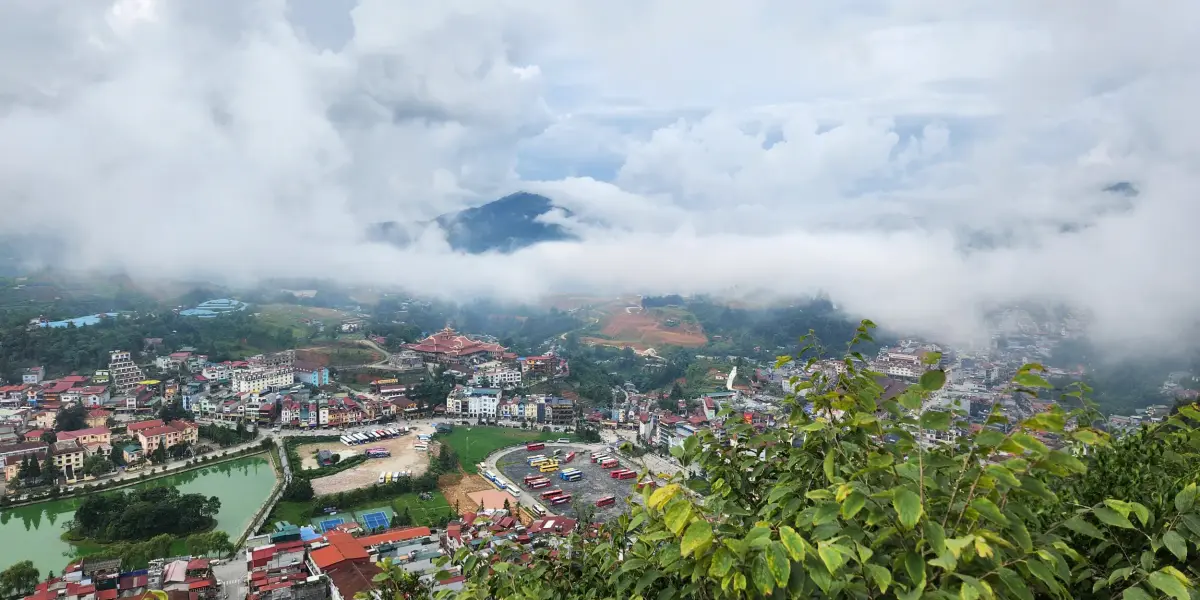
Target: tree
158	455
96	465
173	410
852	500
48	437
396	582
19	579
72	417
116	456
676	391
49	471
299	490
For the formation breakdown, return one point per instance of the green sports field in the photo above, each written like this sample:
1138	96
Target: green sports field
473	444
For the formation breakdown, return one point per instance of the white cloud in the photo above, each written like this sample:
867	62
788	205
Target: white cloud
855	148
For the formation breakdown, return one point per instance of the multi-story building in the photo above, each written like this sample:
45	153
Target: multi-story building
287	358
171	434
311	374
88	437
474	402
217	371
258	379
33	375
449	347
556	411
497	378
124	374
68	457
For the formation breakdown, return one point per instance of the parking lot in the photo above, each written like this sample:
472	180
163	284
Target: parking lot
596	482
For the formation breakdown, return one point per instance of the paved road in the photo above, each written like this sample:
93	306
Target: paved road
231	577
526	498
169	465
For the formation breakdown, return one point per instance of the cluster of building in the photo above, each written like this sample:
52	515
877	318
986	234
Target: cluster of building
71	448
489	404
484	364
182	578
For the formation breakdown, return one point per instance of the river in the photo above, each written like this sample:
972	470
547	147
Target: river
33	532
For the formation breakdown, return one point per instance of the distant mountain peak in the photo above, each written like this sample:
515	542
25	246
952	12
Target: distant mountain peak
504	225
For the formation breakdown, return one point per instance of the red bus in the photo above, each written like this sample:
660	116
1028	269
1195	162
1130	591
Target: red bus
551	493
627	475
647	482
617	473
610	463
539	484
531	478
535	446
599	457
570	457
563	499
606	501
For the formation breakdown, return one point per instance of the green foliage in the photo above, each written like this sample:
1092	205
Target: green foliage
18	579
849	503
227	436
142	514
72	417
97	465
172	411
137	554
299	490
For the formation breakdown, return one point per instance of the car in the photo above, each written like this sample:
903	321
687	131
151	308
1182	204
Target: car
564	440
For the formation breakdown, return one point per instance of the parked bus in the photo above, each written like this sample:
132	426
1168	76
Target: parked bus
575	476
382	477
345	440
387	478
558	500
378	453
540	462
646	482
557	452
539	484
606	501
535	446
609	463
570	457
490	476
627	475
552	493
397	475
600	457
548	468
533	459
512	491
529	478
616	474
538	509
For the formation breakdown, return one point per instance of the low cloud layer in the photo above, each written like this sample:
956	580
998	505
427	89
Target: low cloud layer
919	162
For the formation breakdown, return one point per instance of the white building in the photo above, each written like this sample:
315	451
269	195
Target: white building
474	402
255	380
125	375
497	378
217	372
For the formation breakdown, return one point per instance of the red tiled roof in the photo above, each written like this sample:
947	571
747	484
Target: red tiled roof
342	546
353	576
450	343
157	431
397	535
107	594
70	435
197	563
140	425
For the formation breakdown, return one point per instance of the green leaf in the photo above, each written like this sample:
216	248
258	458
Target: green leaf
637	520
1043	573
662	495
722	562
1111	517
933	380
1086	436
1135	593
760	574
1082	527
677	516
1176	544
698	535
910	400
1015	584
880	575
645	580
852	504
914	565
778	563
1030	443
1030	380
831	555
827	466
989	510
1067	461
1168	584
1052	422
989	438
1002	474
793	542
908	506
937	420
1186	498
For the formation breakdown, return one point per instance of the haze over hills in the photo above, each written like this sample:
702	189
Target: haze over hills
505	225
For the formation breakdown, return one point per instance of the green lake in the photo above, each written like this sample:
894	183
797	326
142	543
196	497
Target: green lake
33	532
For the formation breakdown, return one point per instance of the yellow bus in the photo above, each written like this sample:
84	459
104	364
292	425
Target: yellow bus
538	463
548	468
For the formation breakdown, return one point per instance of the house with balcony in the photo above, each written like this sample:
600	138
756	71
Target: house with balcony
171	434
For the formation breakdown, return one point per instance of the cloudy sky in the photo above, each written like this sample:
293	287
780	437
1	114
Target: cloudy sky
918	160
